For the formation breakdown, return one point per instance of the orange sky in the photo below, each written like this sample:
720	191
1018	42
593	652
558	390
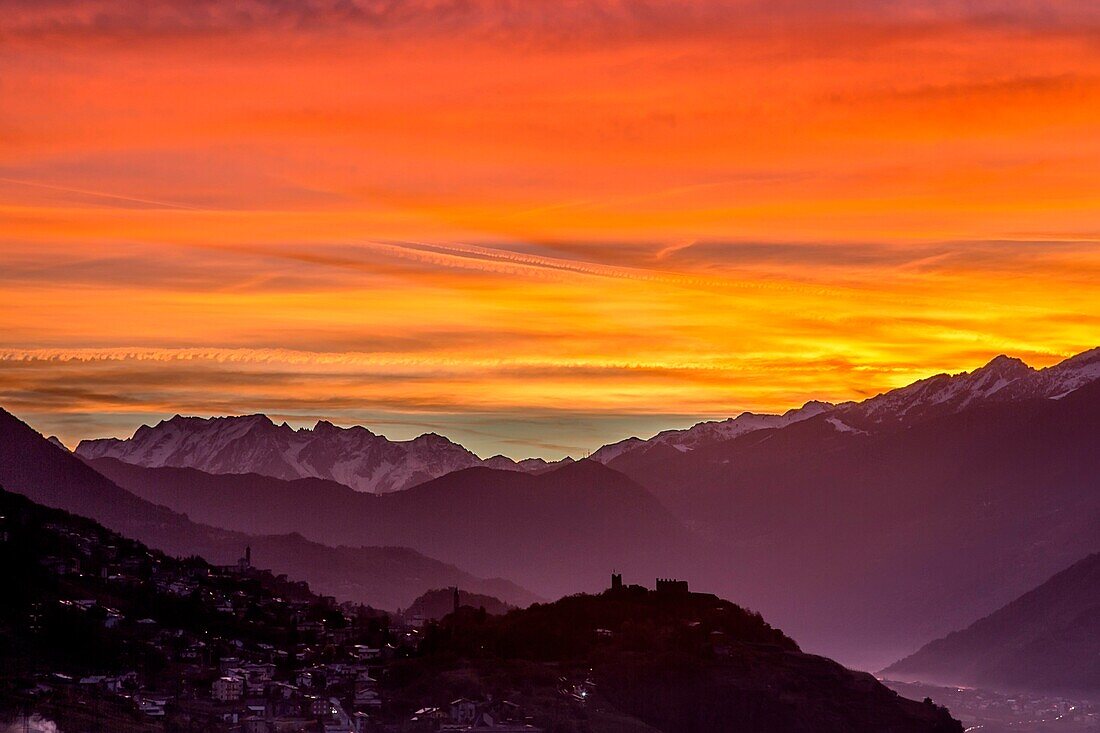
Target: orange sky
534	226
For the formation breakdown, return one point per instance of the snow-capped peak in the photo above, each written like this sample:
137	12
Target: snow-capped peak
254	444
714	431
945	392
1069	375
1003	378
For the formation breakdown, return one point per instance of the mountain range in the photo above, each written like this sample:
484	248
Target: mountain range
386	577
1047	640
353	456
369	462
905	516
1004	379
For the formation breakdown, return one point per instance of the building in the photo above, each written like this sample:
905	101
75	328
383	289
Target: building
463	710
245	563
255	724
227	689
669	585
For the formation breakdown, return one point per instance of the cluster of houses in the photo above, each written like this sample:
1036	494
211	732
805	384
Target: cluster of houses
321	675
464	714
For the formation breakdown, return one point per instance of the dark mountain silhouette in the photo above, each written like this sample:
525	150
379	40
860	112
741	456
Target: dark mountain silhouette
677	662
437	603
386	577
554	532
630	659
1047	640
905	532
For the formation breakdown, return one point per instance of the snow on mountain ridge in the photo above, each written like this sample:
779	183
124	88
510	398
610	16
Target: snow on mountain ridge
254	444
957	391
713	431
1002	378
359	458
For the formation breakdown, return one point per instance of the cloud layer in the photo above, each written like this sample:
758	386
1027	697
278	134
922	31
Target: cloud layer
438	211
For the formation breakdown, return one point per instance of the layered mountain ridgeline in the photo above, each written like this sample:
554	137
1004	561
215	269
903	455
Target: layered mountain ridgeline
437	603
553	532
903	530
353	456
387	577
1047	641
633	659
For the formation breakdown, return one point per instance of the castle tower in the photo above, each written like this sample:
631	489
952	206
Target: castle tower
616	581
245	563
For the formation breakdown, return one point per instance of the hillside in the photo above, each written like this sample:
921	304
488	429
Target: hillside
387	577
554	532
99	632
1047	640
675	662
437	603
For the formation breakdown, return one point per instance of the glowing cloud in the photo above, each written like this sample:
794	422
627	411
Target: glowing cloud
616	212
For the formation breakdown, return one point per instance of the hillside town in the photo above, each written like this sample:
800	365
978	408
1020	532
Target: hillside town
214	648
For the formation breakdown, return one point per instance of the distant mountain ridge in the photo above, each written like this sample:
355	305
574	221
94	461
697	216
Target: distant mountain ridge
354	456
369	462
1003	379
706	433
1047	640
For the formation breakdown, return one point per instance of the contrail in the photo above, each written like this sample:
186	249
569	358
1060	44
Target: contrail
100	194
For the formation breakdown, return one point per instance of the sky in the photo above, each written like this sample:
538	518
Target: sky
535	226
